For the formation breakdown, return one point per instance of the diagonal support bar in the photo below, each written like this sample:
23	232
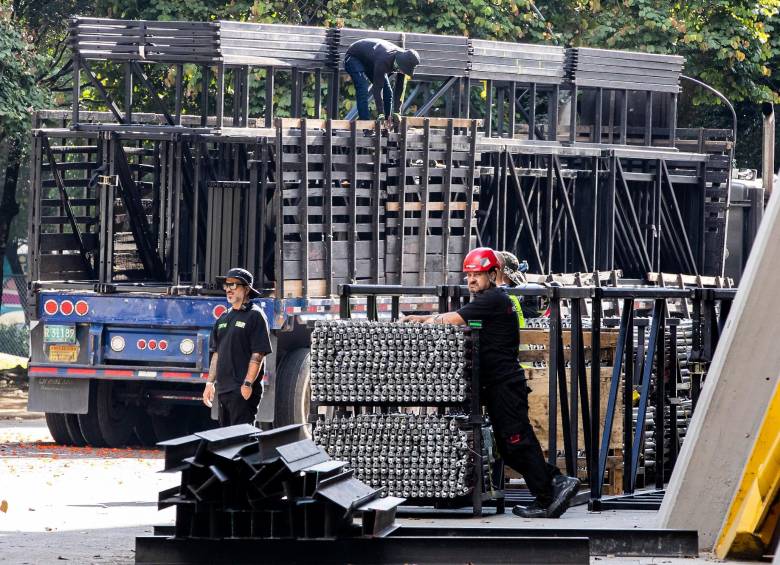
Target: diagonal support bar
57	174
526	215
139	224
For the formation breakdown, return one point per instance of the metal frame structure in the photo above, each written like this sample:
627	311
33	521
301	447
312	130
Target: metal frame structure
577	397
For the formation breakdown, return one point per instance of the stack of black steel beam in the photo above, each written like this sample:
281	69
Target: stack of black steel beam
241	482
623	70
516	62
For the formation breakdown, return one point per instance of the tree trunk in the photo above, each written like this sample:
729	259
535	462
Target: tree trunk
9	207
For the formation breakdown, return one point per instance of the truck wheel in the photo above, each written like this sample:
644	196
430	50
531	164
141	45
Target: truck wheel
144	431
116	418
89	424
293	388
74	430
169	426
57	429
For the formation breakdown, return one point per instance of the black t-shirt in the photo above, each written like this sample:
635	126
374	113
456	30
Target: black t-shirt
235	336
499	338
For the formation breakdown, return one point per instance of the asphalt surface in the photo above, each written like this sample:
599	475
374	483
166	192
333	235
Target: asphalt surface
81	505
85	505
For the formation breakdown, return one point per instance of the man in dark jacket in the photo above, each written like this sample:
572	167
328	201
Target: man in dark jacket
239	343
373	60
503	387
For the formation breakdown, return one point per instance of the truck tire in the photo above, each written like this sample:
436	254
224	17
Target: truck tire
169	426
144	431
56	424
88	423
116	419
293	388
74	430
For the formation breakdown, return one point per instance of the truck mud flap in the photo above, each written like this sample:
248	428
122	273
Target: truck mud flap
58	395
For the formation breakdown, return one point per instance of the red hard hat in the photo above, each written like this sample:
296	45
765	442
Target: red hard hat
480	260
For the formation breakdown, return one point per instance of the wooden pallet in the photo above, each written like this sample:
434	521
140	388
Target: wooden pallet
343	219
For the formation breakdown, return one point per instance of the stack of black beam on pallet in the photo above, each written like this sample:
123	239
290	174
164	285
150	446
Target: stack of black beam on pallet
241	482
404	370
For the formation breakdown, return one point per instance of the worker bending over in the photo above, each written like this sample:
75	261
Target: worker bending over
503	386
374	60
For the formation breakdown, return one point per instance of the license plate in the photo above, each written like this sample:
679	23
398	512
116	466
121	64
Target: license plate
63	353
58	333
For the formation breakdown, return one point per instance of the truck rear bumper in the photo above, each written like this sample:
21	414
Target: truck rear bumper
116	373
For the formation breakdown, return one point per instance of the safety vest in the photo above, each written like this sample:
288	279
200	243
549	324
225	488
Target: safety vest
520	321
518	310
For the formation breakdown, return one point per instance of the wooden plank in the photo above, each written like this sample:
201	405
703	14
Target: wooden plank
303	216
447	197
535	336
538	407
424	196
464	123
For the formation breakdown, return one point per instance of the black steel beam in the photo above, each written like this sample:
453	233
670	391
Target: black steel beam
633	542
394	549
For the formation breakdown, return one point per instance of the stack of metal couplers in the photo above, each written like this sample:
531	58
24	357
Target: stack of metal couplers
417	456
363	362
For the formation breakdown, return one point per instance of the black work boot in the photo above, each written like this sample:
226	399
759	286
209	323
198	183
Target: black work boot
533	510
564	489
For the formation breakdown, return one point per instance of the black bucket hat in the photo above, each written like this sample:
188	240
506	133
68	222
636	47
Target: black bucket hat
407	60
244	276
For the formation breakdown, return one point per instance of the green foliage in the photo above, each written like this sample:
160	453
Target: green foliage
726	43
20	93
507	20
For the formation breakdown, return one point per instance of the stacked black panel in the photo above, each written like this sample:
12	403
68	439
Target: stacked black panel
623	70
516	62
302	47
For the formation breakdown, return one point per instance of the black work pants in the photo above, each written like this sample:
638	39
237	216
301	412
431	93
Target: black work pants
507	406
233	409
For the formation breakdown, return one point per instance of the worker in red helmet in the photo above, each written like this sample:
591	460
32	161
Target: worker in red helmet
503	386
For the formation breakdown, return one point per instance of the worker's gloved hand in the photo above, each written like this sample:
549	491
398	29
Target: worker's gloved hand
396	118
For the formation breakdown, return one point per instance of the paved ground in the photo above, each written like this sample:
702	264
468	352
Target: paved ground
87	505
82	505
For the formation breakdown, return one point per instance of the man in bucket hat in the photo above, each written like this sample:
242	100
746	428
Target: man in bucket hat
239	342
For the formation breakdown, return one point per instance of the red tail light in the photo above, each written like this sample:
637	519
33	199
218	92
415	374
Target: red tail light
219	310
50	307
82	308
163	345
66	307
141	344
152	344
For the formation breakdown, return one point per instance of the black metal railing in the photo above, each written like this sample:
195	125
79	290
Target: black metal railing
651	371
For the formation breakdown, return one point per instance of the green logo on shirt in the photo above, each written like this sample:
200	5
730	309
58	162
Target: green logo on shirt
222	325
240	324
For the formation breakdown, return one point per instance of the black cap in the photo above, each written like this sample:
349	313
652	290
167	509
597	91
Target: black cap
244	276
407	60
